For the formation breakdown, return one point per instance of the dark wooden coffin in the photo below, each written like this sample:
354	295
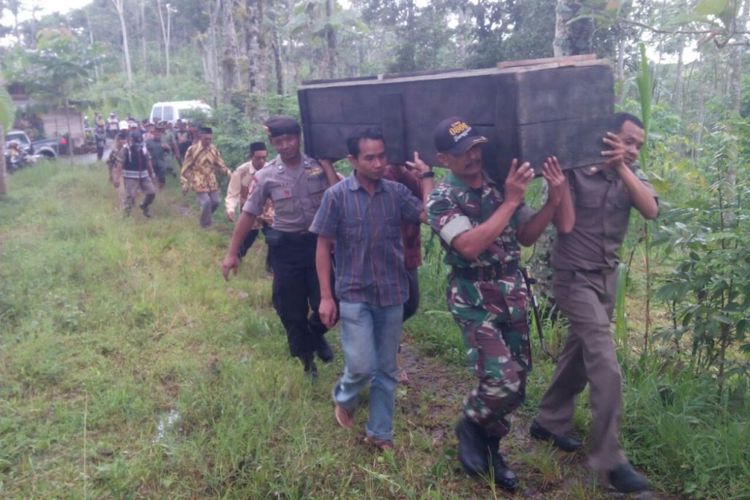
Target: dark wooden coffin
527	109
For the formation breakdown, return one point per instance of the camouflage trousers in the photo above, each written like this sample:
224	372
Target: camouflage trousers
493	321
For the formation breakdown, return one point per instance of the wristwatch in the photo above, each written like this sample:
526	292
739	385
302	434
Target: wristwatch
425	175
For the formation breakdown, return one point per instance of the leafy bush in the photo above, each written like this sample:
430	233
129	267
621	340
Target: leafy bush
708	291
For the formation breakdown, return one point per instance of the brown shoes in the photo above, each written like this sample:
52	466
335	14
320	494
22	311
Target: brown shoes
381	444
344	417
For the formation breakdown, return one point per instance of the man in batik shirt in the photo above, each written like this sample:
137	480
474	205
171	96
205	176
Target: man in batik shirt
202	161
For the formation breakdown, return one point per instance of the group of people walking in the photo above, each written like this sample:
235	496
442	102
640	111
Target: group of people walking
144	154
346	250
343	251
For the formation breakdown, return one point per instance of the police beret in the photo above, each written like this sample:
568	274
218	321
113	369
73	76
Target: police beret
281	125
206	130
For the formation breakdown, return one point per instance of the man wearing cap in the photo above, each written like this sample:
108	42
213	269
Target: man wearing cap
585	283
480	227
239	187
202	161
295	183
136	172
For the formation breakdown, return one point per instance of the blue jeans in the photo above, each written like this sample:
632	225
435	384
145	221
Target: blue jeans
370	337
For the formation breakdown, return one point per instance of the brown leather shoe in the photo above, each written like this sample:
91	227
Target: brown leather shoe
344	417
381	444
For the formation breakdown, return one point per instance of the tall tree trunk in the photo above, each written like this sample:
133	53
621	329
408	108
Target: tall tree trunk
120	8
255	48
142	27
678	78
735	99
330	40
620	66
91	40
230	67
6	118
277	61
735	58
3	185
701	113
571	38
14	7
166	29
211	51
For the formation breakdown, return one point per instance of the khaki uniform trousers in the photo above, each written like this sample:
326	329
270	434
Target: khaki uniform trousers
587	300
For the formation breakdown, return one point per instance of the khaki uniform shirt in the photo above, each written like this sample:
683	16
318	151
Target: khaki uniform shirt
296	193
602	206
199	166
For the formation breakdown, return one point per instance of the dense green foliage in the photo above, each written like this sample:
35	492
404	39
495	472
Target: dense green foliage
708	290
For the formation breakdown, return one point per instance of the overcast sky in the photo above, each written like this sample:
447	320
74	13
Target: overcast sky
47	7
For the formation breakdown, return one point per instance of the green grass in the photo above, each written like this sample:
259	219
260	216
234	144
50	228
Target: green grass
130	368
111	325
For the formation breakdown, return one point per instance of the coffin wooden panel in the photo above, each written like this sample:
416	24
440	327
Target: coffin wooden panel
560	106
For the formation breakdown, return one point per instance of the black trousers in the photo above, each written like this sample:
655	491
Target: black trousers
247	243
296	292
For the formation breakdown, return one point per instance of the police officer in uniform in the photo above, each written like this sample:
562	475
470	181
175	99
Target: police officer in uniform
295	183
585	283
480	226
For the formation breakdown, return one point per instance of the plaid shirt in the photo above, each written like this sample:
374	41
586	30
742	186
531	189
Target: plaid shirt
367	231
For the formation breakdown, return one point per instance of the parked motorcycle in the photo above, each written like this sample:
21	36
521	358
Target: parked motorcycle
16	157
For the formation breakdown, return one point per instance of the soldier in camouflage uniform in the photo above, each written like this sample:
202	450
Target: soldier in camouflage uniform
480	226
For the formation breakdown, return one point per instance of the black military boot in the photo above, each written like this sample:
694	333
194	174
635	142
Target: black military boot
308	361
504	477
472	450
625	479
146	211
565	443
324	351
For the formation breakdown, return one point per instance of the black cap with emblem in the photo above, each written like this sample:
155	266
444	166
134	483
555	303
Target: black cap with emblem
455	136
282	125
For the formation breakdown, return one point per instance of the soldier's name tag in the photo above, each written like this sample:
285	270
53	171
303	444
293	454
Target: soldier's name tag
280	193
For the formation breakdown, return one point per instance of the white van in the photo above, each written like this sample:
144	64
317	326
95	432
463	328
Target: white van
174	110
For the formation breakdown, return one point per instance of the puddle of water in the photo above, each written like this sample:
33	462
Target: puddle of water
168	422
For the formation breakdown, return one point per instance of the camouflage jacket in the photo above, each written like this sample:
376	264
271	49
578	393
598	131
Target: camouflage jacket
454	207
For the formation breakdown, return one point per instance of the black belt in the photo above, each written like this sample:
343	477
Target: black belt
486	273
302	236
601	270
